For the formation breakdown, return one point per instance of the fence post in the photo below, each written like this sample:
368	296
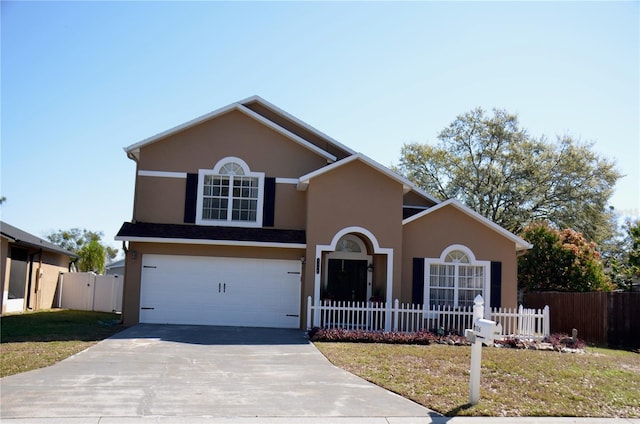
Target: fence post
396	306
546	322
520	320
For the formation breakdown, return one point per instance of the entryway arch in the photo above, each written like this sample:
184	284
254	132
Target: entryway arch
347	273
368	240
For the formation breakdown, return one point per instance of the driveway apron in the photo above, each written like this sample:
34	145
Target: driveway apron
194	371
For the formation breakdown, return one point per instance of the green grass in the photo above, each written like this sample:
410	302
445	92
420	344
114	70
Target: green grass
39	339
600	383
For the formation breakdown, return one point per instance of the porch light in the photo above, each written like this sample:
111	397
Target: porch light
370	267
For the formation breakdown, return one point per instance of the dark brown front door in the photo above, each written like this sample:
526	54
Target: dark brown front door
347	280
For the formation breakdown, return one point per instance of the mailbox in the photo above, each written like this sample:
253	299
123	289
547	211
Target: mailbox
487	330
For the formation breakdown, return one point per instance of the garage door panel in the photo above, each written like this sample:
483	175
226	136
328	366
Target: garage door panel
220	291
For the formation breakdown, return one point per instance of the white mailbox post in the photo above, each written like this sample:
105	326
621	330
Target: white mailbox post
484	331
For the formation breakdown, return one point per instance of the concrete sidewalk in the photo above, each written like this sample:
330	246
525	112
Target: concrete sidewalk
320	420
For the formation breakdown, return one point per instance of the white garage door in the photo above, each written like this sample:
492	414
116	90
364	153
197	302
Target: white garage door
220	291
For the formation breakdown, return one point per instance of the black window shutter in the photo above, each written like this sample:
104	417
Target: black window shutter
191	199
496	284
269	207
417	297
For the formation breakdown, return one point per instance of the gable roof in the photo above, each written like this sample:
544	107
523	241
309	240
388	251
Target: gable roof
244	106
406	184
20	237
519	242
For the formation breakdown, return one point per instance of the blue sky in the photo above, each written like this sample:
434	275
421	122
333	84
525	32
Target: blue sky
82	80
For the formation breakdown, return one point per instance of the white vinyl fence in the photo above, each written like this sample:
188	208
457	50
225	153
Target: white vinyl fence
86	291
520	322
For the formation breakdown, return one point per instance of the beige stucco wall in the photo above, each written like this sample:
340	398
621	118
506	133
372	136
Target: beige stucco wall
414	199
290	209
161	199
354	195
232	134
431	234
43	292
133	268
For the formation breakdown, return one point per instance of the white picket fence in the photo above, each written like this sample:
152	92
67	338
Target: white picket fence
371	316
86	291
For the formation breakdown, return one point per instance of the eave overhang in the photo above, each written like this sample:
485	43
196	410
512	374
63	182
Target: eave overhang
209	235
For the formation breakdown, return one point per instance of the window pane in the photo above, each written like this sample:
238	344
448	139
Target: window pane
244	210
231	168
442	297
466	297
457	257
441	282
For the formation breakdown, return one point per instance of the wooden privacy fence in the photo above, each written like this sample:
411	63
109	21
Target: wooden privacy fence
601	318
86	291
408	318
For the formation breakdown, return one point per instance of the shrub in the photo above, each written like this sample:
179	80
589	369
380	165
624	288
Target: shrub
362	336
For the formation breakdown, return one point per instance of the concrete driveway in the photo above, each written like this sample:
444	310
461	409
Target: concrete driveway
197	371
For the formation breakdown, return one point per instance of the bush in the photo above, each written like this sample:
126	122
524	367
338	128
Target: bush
361	336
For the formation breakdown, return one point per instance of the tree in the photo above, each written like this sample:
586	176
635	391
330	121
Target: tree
624	262
560	261
493	166
87	245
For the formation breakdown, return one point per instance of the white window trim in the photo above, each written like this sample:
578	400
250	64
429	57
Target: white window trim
486	286
228	222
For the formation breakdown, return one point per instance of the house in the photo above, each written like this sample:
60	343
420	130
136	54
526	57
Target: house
115	268
242	214
29	270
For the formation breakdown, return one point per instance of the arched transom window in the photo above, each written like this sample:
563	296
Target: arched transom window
230	194
350	243
456	278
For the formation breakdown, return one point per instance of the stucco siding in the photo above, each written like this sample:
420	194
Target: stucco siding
43	292
232	134
290	207
355	195
431	234
160	200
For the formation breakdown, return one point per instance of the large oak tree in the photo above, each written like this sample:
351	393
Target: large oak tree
495	167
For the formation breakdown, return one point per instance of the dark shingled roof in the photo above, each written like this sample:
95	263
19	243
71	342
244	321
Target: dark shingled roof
23	238
200	232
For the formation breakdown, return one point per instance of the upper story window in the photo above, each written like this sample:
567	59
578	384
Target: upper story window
456	278
230	194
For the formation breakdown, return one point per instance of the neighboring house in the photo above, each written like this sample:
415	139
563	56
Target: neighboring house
240	215
115	268
29	270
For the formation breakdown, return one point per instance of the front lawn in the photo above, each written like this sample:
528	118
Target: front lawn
39	339
600	383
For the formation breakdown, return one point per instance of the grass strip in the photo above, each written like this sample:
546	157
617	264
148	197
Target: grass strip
38	339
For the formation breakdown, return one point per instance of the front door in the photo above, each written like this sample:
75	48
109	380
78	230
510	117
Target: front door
347	280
